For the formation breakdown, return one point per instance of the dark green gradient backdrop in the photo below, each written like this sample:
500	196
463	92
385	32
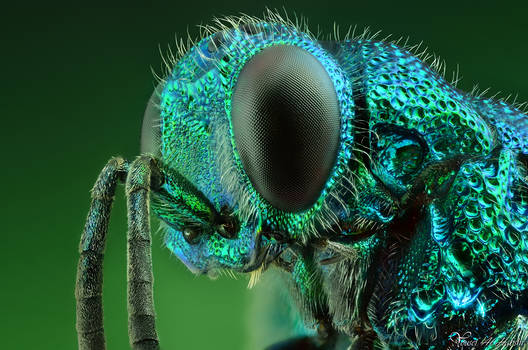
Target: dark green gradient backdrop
74	84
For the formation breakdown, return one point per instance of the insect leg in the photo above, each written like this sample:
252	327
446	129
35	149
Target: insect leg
88	288
142	176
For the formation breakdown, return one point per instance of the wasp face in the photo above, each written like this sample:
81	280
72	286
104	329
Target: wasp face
202	219
247	133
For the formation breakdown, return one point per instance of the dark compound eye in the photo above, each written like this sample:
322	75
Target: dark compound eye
286	123
191	235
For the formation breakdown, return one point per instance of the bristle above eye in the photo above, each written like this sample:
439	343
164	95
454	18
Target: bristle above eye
222	26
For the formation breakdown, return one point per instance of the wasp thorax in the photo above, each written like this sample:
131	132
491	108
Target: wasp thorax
286	123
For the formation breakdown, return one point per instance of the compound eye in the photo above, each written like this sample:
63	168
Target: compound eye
286	124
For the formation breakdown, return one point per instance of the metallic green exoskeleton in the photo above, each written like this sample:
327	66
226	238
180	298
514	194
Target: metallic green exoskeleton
394	206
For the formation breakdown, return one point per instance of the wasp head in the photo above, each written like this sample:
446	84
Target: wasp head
248	134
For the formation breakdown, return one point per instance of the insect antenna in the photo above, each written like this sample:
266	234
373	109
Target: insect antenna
89	283
143	176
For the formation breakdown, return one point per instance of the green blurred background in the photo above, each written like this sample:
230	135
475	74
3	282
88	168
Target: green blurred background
75	81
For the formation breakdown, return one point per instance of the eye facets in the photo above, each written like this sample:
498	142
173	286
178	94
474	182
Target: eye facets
286	123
